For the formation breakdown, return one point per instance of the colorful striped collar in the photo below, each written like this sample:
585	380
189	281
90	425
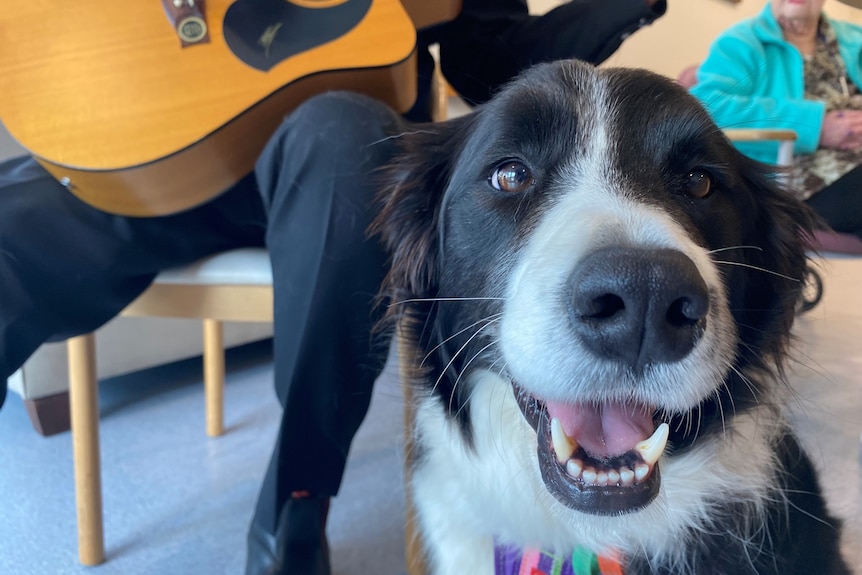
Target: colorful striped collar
510	560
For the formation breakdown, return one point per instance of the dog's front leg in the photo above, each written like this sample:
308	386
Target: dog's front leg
449	542
441	492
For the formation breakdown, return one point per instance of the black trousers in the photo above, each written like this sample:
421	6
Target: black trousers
67	268
840	203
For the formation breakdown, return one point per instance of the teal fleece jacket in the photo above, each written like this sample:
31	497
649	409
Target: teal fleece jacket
753	78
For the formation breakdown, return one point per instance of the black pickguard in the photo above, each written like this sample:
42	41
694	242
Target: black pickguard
263	33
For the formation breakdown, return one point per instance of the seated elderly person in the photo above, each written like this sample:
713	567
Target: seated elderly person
793	67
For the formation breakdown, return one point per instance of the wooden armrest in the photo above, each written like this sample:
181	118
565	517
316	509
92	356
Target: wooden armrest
785	139
760	134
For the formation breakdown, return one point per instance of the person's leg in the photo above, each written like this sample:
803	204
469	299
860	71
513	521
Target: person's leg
318	179
840	203
67	268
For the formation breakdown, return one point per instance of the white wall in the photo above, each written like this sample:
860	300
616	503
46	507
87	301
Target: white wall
683	35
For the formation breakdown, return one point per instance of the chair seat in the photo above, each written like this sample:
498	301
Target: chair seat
244	266
836	242
230	286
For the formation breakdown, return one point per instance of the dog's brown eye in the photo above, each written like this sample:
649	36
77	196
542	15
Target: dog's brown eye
513	177
699	185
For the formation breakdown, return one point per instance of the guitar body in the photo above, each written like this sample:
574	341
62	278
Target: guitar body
106	97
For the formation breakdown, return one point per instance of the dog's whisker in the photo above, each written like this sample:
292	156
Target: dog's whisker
689	422
718	404
503	368
699	423
495	362
439	299
818	519
461	373
726	386
756	351
490	319
667	416
457	353
757	268
755	393
399	136
689	418
730	248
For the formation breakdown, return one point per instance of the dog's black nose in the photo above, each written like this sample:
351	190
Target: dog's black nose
638	306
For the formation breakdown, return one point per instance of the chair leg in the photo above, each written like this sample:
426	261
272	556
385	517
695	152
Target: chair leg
84	411
214	376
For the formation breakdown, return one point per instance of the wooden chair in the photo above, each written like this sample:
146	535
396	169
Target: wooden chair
232	286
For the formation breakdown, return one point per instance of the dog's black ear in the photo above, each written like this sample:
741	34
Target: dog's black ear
781	228
411	197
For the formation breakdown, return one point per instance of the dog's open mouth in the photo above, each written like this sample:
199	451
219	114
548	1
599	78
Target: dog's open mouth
600	459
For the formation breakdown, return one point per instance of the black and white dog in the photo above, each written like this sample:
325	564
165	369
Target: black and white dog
599	292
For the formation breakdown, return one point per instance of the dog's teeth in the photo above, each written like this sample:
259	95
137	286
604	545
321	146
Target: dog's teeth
574	467
627	476
649	449
564	446
652	448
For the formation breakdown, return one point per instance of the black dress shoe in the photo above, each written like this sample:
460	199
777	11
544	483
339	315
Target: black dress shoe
298	547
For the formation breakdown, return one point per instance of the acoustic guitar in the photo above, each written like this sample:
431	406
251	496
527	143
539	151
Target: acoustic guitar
146	108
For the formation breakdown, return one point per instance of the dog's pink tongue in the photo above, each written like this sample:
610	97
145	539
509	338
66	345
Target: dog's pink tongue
607	430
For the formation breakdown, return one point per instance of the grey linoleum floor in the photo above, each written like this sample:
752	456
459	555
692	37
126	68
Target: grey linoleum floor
179	503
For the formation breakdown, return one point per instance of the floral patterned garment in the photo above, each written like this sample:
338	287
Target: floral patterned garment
826	79
510	560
